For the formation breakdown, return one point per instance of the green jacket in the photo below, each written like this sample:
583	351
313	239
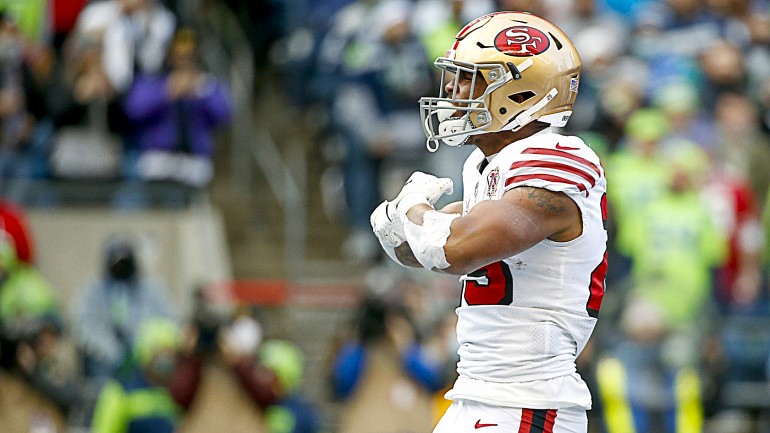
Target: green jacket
673	245
134	406
24	294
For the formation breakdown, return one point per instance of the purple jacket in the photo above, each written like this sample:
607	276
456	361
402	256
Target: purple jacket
155	117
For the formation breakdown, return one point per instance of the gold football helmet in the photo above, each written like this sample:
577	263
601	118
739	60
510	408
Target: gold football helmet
531	69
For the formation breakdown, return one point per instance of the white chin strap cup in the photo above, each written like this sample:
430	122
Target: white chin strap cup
453	126
445	126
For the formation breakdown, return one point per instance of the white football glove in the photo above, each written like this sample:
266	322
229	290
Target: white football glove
388	228
421	188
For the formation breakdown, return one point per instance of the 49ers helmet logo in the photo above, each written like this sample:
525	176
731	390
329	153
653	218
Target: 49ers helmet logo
521	41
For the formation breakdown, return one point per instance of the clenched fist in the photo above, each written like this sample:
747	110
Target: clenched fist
421	188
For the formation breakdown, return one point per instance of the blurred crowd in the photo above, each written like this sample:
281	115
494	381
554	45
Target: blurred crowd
122	358
674	97
106	91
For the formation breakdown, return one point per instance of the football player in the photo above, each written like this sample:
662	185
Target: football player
528	240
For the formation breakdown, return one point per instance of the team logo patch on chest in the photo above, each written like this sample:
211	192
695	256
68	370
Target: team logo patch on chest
493	181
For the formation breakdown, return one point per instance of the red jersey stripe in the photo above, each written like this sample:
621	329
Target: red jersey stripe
552	152
537	420
550	420
556	166
526	420
546	178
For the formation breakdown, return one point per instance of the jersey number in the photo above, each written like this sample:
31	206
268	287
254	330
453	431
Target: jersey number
490	285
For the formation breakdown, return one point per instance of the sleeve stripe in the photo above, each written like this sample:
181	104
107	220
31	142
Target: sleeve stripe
555	166
545	178
552	152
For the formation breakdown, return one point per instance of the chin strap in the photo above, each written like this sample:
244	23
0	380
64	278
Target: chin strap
441	116
526	117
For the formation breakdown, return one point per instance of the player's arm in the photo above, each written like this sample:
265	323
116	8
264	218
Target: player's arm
388	223
496	229
404	253
454	207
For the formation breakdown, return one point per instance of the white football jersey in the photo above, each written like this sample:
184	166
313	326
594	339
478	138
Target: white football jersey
522	321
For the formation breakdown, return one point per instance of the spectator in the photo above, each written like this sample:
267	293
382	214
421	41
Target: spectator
30	349
135	36
384	374
220	380
640	175
27	62
673	244
292	412
680	102
48	363
602	41
747	27
80	82
175	114
110	310
374	111
585	15
648	377
236	345
137	400
641	387
25	298
734	207
619	94
743	148
673	29
637	167
15	122
31	16
724	70
86	113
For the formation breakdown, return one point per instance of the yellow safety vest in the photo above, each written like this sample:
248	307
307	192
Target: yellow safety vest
618	416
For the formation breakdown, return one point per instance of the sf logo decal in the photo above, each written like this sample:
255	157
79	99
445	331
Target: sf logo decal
521	41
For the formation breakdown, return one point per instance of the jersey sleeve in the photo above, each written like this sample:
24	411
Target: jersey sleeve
572	169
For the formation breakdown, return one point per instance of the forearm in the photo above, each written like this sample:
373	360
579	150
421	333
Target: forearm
404	252
405	255
417	213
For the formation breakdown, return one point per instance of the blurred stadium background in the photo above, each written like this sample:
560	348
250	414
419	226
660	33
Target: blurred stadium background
317	126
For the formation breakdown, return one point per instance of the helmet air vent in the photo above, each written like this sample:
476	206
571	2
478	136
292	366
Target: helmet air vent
557	41
521	97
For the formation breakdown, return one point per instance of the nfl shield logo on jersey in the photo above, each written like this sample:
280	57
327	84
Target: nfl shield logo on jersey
493	179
